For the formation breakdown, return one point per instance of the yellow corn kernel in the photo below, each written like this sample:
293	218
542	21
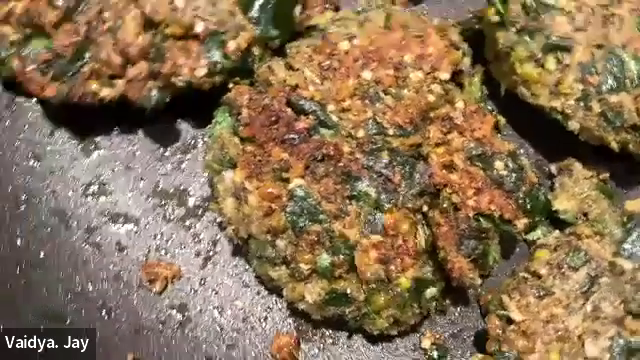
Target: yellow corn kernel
541	254
404	283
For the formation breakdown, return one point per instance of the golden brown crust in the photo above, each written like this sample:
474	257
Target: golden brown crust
158	275
336	169
286	346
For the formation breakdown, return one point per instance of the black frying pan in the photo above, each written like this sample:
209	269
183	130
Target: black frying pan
83	205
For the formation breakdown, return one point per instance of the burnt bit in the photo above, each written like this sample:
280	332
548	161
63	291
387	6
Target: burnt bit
480	339
120	247
96	189
206	259
158	275
285	346
61	216
89	146
93	244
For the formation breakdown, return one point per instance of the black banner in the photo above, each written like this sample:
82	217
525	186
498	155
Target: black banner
47	343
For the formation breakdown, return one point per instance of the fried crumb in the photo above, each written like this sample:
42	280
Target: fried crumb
632	205
286	346
433	345
158	275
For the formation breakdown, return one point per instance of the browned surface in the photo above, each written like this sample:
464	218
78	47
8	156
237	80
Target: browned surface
142	51
158	275
388	122
286	346
410	79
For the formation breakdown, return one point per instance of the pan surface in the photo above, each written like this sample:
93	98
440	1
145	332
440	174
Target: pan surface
81	210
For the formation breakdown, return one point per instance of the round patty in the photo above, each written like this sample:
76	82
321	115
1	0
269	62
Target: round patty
578	60
578	296
355	168
93	51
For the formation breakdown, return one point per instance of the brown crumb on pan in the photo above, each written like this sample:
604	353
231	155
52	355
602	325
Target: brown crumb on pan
157	275
132	356
286	346
432	344
632	205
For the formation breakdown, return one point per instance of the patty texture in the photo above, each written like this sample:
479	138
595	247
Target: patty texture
354	169
95	51
577	60
578	296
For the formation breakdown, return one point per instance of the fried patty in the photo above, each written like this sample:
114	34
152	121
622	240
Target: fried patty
94	51
577	297
578	60
355	166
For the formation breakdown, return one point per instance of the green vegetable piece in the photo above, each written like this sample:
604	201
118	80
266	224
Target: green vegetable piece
323	265
424	288
437	352
632	304
510	176
344	249
536	203
630	246
223	122
221	132
624	349
504	355
274	19
362	191
374	127
577	258
38	43
495	306
614	117
619	73
6	52
502	8
303	210
214	46
607	190
308	107
539	232
337	298
558	44
512	181
72	66
482	242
